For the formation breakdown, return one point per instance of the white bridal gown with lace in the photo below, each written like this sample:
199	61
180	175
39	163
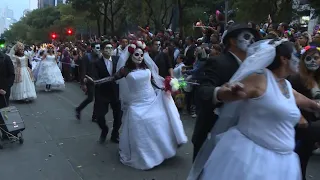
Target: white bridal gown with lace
23	87
151	126
49	73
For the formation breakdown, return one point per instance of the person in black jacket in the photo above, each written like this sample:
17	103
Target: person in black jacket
86	69
107	94
218	71
6	79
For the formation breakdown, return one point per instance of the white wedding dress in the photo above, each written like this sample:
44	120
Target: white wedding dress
23	86
151	127
49	74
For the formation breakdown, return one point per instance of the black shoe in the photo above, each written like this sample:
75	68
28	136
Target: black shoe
78	114
103	136
115	139
94	120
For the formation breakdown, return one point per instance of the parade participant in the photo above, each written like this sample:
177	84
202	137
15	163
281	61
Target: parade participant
49	75
107	94
23	87
87	86
307	82
6	78
151	130
237	39
256	144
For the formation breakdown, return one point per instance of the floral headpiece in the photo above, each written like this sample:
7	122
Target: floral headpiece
288	32
307	48
137	44
50	46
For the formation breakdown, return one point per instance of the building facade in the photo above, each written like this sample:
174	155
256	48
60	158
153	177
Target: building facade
46	3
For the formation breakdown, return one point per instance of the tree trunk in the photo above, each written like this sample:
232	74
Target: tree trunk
99	27
181	19
105	20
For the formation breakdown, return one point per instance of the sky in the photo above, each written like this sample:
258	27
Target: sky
18	6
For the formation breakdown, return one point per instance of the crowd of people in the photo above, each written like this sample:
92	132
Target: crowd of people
253	90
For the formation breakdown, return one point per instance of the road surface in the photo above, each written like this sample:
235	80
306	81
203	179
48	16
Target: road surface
58	147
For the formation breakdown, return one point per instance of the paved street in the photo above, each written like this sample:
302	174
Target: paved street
58	147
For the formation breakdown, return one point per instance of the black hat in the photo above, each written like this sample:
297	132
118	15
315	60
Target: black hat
235	29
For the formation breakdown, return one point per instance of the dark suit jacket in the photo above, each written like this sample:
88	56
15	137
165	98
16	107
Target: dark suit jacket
86	66
6	72
105	92
217	71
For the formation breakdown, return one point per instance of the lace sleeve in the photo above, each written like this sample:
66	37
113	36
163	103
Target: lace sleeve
123	72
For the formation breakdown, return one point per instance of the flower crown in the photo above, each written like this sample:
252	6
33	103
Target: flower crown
307	48
137	44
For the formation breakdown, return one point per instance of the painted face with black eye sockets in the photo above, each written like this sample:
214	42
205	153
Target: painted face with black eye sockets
137	56
312	62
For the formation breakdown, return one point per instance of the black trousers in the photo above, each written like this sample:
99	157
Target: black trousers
88	100
307	137
102	109
4	100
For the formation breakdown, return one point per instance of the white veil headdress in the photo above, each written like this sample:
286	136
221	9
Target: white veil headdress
260	55
124	93
14	49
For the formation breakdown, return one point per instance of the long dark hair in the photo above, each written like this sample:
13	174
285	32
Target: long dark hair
130	65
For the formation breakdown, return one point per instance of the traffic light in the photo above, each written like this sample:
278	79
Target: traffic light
53	36
2	42
69	32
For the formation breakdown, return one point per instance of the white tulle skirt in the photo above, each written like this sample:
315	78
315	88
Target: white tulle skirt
25	89
151	131
48	73
238	158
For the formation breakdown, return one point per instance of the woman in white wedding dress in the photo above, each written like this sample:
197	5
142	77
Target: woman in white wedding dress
49	75
23	87
151	127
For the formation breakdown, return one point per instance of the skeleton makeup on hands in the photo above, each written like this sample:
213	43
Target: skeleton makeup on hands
312	62
137	56
244	40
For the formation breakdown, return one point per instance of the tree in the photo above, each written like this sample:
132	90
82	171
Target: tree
316	5
258	10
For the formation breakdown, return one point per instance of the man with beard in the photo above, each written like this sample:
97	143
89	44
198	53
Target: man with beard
218	71
107	94
88	87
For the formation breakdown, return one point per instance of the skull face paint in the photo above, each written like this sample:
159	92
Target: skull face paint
312	62
107	51
137	56
244	40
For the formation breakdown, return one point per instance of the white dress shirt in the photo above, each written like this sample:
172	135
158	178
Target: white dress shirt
109	64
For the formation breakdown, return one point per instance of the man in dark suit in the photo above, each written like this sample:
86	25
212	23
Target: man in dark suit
6	78
218	71
107	94
90	57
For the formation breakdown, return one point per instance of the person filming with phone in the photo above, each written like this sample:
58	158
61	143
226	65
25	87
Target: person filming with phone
6	77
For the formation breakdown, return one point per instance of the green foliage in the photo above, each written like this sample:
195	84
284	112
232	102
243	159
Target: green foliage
37	25
258	10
